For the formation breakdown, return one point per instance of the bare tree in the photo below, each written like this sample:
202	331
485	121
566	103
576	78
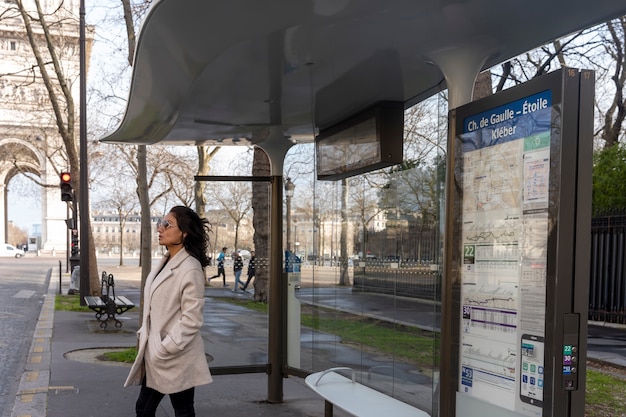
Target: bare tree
235	199
601	48
50	47
365	204
142	154
124	204
615	47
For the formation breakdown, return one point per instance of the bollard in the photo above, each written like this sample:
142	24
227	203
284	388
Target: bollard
60	290
75	281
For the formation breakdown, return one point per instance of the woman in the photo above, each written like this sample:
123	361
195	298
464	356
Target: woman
170	358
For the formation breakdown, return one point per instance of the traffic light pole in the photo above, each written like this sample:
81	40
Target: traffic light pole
74	252
83	161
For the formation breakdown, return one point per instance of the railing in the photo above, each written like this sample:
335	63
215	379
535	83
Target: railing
402	278
607	285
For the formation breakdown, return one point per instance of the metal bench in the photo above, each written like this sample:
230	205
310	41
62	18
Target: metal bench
108	304
355	398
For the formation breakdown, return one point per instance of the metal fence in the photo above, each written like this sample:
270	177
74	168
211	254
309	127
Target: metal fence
402	278
607	285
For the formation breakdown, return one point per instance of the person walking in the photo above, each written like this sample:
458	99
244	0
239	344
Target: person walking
220	267
170	357
251	270
237	268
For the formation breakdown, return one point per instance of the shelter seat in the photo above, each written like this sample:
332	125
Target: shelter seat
355	398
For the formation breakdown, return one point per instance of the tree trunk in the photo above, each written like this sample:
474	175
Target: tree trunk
344	278
261	223
121	244
145	256
482	86
203	169
94	278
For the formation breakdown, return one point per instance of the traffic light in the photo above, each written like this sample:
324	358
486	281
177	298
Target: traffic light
75	249
67	193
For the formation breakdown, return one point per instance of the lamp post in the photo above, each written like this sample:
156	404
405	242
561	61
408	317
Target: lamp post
289	188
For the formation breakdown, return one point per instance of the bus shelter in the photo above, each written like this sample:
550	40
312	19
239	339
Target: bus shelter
277	74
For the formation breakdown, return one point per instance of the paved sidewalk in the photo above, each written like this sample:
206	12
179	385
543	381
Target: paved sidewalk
61	381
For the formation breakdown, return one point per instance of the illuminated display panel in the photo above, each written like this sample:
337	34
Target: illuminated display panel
368	141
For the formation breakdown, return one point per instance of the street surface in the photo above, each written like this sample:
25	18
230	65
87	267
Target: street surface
22	287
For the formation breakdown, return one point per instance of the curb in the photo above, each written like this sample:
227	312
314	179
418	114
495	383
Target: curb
32	394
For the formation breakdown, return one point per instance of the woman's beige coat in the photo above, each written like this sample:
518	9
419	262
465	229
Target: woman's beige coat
171	350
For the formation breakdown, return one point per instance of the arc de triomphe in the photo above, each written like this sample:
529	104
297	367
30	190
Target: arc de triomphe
29	140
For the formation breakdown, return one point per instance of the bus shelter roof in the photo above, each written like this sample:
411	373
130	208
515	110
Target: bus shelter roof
213	72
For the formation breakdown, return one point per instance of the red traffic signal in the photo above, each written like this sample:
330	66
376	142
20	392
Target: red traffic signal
67	192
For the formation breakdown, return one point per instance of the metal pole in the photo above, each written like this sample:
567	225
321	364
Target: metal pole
68	245
288	221
277	296
60	290
83	185
289	188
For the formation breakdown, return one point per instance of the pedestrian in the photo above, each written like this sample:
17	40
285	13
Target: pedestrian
170	357
251	270
220	267
237	268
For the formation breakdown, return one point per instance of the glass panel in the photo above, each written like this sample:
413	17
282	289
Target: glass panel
369	290
236	326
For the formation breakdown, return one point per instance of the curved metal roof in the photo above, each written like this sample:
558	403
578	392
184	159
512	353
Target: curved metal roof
242	71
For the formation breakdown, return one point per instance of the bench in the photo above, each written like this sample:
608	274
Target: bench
356	399
108	304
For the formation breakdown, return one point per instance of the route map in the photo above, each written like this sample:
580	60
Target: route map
504	176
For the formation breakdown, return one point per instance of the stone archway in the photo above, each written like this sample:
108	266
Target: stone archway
28	156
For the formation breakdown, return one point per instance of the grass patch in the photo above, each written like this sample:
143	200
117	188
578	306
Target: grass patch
414	345
69	303
126	356
251	304
605	395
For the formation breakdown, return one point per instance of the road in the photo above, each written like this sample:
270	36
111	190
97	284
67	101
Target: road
23	285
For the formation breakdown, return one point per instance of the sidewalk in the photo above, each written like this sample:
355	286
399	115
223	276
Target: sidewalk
57	382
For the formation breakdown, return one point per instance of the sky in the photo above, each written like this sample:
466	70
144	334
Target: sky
24	203
24	197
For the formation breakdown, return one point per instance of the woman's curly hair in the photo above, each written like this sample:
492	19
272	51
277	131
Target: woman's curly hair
196	231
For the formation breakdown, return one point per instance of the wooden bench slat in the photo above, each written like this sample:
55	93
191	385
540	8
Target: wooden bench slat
106	310
357	399
94	301
123	301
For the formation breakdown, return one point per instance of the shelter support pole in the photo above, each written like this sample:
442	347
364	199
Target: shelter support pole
460	67
277	302
277	338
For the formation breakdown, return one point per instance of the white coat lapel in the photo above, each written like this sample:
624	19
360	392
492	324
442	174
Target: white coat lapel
166	271
152	276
